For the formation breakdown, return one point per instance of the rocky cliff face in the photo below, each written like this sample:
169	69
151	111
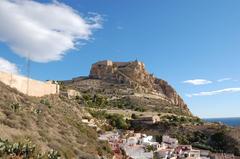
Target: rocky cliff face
135	75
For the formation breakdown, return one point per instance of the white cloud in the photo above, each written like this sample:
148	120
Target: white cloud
210	93
224	79
7	66
197	82
43	31
119	27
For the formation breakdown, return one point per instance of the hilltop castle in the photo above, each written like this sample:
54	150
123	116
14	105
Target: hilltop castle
115	76
109	70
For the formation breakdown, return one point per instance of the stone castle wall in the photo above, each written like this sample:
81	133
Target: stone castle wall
29	86
105	63
106	69
109	63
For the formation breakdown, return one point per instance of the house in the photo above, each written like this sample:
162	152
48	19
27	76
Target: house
165	154
182	148
194	154
186	151
137	135
145	139
147	120
149	141
170	142
132	141
137	152
205	154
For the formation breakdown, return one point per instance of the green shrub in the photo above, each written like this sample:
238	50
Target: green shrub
15	107
199	137
117	121
37	111
53	154
219	141
45	102
99	114
104	147
95	101
24	150
203	146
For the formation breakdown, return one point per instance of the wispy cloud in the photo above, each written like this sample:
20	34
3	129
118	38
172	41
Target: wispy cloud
224	79
198	82
44	31
119	27
216	92
7	66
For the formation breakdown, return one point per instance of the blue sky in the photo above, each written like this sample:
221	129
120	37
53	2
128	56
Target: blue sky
177	41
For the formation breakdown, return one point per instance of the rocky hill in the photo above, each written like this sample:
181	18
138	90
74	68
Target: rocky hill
126	88
130	81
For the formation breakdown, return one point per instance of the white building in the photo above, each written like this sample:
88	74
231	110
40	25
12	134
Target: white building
205	153
132	141
146	139
170	142
194	154
186	151
165	154
137	152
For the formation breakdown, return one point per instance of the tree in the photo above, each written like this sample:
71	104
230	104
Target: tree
117	121
218	141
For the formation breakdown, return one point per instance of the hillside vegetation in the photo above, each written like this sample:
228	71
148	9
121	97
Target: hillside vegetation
210	136
48	126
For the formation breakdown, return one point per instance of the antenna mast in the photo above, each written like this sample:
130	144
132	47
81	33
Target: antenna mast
28	73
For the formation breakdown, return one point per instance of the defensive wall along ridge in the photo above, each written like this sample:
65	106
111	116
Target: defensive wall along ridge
29	86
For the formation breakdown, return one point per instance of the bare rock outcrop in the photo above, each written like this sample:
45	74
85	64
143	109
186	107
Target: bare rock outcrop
135	75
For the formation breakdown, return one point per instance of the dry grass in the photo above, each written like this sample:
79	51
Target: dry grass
52	125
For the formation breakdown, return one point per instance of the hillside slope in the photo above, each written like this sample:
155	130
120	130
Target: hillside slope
51	122
210	136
